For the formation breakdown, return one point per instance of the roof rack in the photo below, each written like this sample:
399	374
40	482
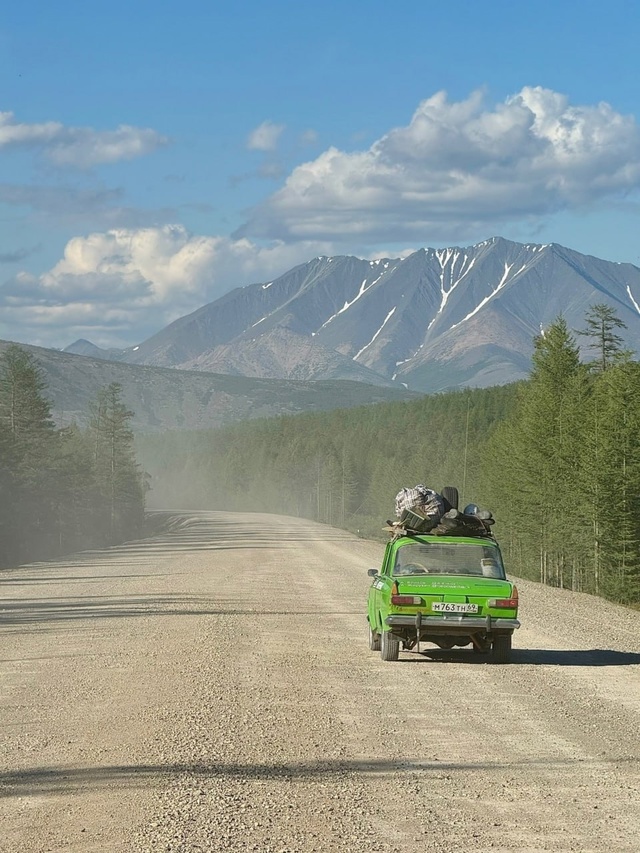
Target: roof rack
452	523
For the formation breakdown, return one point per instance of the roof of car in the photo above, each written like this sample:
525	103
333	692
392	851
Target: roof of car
443	540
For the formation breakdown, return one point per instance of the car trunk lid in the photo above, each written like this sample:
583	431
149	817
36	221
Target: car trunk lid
454	590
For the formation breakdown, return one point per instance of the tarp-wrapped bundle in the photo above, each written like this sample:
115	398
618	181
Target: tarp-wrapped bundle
454	523
423	510
419	508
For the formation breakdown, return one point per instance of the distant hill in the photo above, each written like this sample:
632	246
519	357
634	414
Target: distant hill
163	398
438	319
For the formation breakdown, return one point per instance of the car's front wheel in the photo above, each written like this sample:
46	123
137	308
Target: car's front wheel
501	648
374	640
389	646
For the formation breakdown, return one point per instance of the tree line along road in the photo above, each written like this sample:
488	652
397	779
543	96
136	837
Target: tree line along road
211	689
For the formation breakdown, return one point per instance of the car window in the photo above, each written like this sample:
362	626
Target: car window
448	558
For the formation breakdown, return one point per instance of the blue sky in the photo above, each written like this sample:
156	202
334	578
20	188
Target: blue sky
155	155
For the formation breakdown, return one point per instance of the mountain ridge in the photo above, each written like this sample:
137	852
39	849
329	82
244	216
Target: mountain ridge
434	320
163	398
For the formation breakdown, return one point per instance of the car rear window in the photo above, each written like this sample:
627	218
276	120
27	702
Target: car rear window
449	558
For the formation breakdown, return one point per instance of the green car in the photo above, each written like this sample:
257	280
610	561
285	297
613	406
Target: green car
446	590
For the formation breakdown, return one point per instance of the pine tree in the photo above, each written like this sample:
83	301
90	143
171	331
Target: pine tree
119	479
9	511
28	432
610	481
601	322
540	450
24	411
77	499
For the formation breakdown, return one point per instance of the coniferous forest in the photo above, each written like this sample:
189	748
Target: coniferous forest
62	489
557	459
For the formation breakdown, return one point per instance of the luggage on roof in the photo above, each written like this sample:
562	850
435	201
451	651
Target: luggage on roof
423	510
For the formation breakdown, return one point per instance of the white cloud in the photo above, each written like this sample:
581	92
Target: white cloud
79	147
459	168
456	171
110	283
265	137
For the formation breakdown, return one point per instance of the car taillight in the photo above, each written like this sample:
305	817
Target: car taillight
506	603
405	600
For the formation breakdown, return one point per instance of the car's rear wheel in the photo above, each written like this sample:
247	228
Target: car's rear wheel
450	495
501	648
374	640
389	646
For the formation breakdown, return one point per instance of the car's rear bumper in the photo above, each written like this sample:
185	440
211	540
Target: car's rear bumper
452	624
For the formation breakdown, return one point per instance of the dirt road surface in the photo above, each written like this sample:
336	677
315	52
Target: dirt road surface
211	689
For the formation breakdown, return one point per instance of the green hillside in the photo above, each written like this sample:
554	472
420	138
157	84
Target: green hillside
162	398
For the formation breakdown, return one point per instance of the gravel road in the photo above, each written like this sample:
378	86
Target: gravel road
211	689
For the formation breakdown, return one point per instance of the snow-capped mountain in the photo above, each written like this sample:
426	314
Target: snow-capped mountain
439	318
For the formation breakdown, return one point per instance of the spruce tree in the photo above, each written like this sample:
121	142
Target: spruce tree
118	476
27	445
24	410
610	481
601	323
541	448
77	500
9	511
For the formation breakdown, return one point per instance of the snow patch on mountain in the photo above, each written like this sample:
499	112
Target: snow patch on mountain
363	289
490	302
366	346
444	293
635	304
503	281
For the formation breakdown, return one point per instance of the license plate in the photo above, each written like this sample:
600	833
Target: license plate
450	607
